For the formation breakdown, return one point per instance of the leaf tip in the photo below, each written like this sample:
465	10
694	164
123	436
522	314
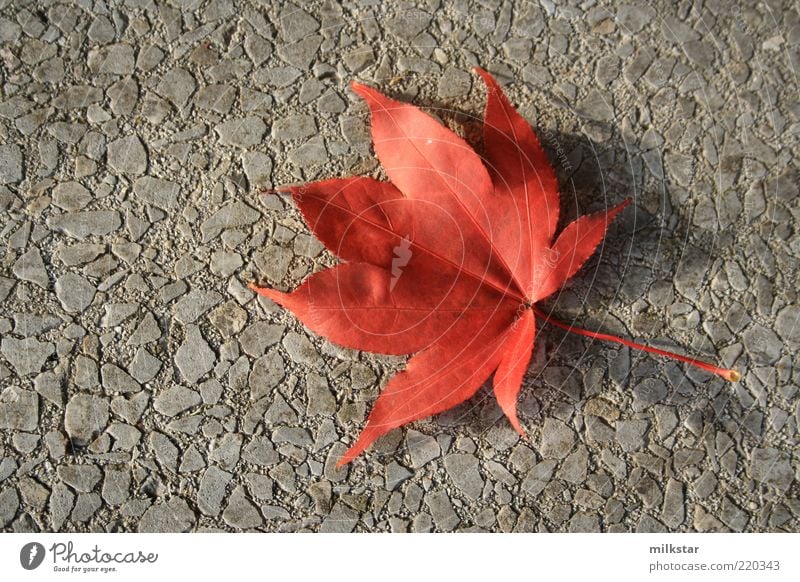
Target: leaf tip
364	91
732	375
611	214
255	288
621	206
349	455
520	431
488	79
285	189
279	297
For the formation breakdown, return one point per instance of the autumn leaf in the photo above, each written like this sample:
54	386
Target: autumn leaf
445	261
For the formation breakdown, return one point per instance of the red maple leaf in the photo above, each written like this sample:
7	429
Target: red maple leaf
445	261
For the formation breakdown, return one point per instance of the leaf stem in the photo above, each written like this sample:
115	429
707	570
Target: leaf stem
729	374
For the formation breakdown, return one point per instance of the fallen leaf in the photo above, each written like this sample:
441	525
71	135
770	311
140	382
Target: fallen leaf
445	261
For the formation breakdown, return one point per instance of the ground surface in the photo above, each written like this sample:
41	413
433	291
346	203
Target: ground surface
144	388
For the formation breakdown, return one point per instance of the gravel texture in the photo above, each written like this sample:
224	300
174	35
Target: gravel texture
144	388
